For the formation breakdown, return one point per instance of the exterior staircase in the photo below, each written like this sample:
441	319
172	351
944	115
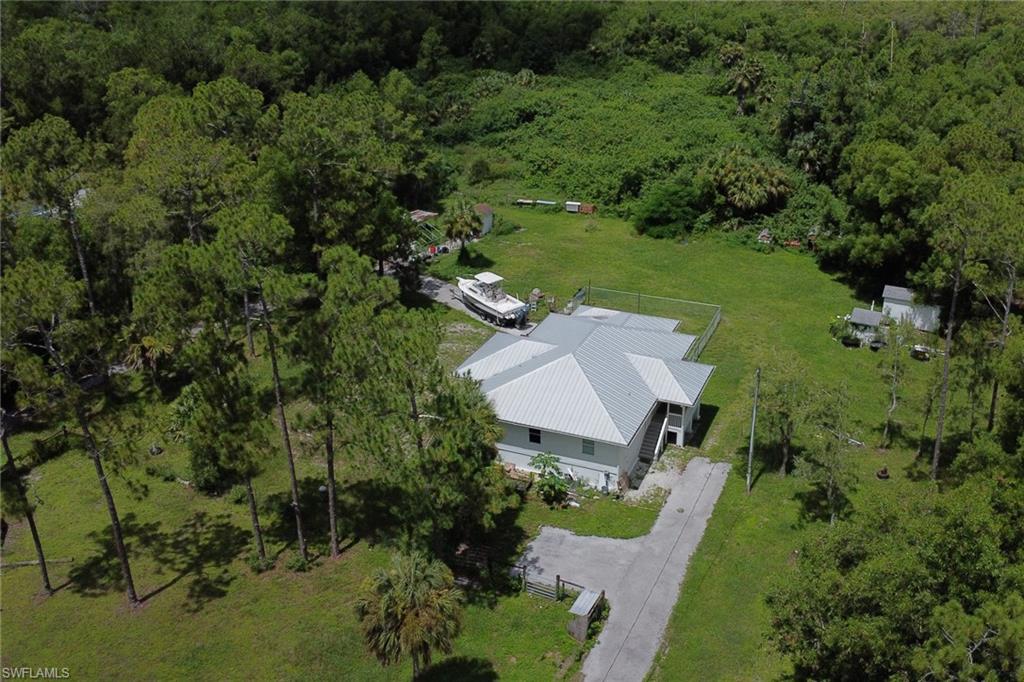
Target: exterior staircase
647	448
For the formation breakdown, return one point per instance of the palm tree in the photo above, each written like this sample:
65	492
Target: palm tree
410	609
745	76
462	223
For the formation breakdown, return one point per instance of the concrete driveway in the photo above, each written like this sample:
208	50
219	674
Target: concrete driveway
640	576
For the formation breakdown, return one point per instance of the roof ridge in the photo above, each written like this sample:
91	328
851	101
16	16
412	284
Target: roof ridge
594	394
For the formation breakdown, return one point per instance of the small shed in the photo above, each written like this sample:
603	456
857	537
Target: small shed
898	303
584	610
486	214
588	208
573	206
865	323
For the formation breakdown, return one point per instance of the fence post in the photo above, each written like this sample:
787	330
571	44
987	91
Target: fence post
558	587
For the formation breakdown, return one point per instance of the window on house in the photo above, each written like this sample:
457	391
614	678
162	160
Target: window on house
675	409
534	435
588	447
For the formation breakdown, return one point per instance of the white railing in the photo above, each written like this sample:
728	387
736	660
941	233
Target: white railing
661	438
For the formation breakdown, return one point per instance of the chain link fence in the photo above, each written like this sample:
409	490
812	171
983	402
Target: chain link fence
695	318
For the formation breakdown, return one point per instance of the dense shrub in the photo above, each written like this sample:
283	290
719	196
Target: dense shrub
667	210
552	486
479	171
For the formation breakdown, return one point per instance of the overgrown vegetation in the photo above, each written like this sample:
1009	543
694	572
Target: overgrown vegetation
201	200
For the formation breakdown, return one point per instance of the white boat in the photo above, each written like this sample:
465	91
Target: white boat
483	295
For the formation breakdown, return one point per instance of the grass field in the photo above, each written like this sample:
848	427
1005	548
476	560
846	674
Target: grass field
770	302
206	614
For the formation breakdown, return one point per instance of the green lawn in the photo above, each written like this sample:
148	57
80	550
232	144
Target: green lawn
770	302
205	614
596	515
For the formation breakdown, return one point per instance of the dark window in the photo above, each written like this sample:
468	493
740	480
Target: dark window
534	435
670	436
588	447
675	409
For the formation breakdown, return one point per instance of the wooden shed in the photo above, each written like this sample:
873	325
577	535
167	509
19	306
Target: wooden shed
584	610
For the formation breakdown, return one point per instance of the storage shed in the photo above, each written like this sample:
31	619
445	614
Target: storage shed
898	303
583	611
572	206
865	323
486	214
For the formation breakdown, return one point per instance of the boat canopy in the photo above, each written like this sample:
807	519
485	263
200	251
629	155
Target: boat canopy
489	278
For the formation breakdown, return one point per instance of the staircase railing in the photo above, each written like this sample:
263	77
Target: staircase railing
661	437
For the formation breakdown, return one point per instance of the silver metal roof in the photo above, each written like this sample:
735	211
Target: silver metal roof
897	293
592	376
621	319
506	356
867	318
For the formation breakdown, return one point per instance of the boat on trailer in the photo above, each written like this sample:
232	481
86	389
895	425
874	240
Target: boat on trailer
484	296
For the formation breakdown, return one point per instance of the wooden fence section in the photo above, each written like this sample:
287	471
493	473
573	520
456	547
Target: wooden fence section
538	588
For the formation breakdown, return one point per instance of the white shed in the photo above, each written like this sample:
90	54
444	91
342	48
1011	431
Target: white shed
486	214
572	206
898	303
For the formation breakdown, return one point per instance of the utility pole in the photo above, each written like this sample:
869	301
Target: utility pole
753	424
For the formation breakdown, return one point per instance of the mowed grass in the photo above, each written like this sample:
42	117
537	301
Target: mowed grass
771	303
604	516
206	615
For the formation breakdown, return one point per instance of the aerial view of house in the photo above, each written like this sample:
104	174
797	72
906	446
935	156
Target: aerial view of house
520	341
604	390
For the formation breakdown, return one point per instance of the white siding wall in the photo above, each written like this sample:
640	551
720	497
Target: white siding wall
515	447
924	317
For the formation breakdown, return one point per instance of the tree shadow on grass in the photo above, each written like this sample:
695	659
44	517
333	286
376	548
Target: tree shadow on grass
707	418
200	551
473	259
814	506
461	668
920	468
364	509
767	459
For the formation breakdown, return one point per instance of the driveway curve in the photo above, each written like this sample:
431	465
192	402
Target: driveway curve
640	576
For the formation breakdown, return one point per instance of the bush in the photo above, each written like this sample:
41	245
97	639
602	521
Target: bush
479	171
502	226
259	565
163	471
298	564
668	210
552	486
237	494
207	474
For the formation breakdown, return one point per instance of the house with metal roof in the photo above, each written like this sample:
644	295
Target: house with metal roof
898	303
603	390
